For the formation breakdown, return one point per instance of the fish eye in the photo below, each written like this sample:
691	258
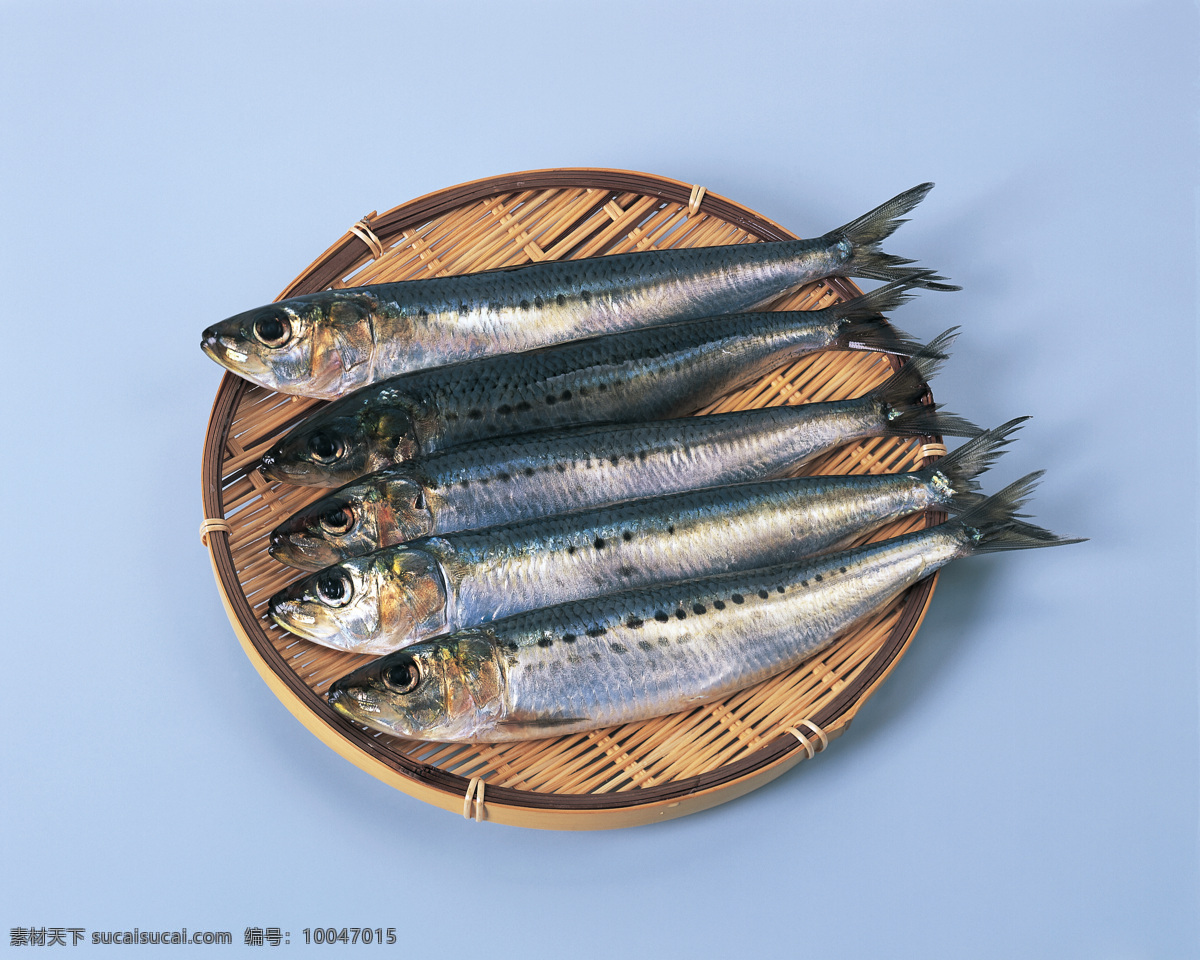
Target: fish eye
324	448
334	589
337	521
402	676
272	331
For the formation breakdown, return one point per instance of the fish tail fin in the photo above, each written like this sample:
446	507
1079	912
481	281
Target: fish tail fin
868	231
860	323
900	399
876	336
961	467
994	524
881	300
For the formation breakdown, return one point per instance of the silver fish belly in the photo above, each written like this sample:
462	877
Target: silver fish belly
654	661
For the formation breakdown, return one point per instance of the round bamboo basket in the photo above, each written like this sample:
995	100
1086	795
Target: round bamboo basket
641	772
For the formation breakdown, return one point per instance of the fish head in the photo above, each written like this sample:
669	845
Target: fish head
356	520
319	345
324	452
346	440
444	690
372	604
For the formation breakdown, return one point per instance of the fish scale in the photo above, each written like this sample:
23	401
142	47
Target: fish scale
642	375
492	482
401	595
493	573
550	474
607	661
457	316
643	653
327	344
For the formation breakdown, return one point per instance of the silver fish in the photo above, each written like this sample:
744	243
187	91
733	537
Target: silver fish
644	653
652	374
327	344
535	475
401	595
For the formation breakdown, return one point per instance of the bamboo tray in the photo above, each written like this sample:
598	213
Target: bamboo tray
641	772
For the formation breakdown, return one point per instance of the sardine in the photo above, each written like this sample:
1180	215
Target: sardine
652	374
327	344
644	653
535	475
401	595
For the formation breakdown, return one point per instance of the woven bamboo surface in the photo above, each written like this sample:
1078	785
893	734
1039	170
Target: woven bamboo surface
632	774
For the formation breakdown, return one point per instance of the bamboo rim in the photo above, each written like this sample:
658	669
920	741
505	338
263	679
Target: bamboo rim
639	773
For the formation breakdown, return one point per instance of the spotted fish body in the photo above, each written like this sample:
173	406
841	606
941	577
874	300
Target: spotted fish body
401	595
536	475
643	653
327	344
501	571
652	374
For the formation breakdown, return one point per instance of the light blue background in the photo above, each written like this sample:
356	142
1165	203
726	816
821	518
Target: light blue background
1025	784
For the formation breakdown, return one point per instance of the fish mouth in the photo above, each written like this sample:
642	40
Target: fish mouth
302	551
209	345
338	700
275	466
225	350
221	349
303	474
291	615
355	705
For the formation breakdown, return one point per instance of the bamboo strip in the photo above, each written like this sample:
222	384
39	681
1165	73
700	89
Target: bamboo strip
437	238
791	702
541	758
649	234
586	216
499	250
424	250
579	759
472	247
592	220
619	759
579	208
533	218
623	221
534	224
